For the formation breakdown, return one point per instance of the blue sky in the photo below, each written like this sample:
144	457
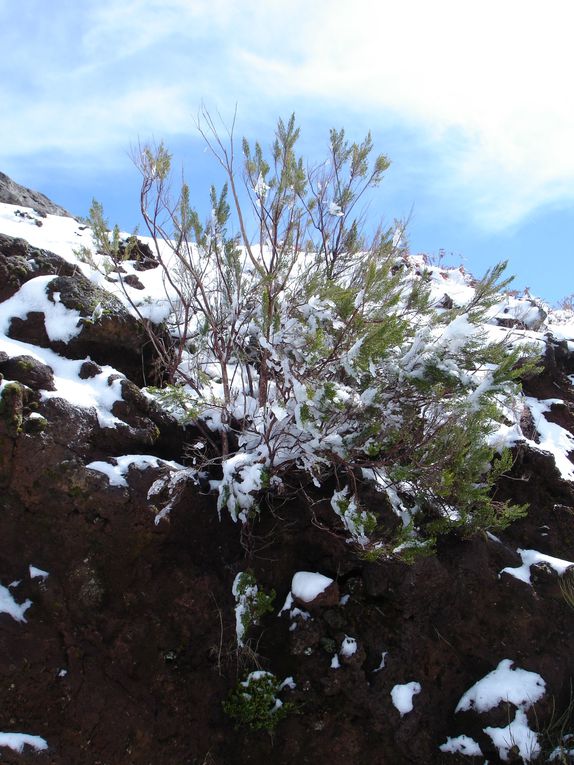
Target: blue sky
472	102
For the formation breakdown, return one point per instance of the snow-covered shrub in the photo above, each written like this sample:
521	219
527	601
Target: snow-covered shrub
308	351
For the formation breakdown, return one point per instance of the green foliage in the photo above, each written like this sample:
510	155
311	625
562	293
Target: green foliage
251	603
177	400
254	702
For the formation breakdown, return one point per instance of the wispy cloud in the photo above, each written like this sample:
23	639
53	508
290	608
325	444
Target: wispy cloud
486	84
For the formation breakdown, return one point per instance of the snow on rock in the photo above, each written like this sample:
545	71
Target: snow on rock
383	661
461	745
99	392
515	734
57	234
519	311
17	741
531	558
9	606
348	646
402	696
517	686
61	323
116	473
307	586
553	438
37	573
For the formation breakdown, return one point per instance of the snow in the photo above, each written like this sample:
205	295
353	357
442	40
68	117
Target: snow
515	734
348	646
383	661
335	663
38	573
531	558
99	392
116	473
245	596
61	323
524	311
261	188
402	696
306	586
461	745
564	750
17	741
553	438
517	686
57	233
9	606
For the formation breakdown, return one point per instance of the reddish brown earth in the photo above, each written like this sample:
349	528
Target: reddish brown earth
140	617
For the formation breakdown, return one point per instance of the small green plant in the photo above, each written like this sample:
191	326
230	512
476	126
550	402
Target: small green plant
251	604
177	400
254	702
358	523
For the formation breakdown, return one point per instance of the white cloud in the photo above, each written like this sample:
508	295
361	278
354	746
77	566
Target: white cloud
487	83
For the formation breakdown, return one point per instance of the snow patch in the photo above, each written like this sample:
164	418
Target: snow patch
37	573
517	686
402	696
531	558
116	473
9	606
306	586
348	646
461	745
17	741
553	438
515	734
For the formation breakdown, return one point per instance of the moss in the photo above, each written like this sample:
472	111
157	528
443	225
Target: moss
25	365
35	425
11	407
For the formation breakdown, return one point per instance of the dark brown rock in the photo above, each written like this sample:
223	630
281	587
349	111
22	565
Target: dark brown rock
20	262
28	371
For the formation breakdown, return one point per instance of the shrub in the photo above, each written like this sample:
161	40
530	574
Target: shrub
309	350
254	702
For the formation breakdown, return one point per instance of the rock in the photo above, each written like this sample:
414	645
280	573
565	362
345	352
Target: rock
109	334
89	369
132	281
446	302
28	371
13	193
20	262
11	408
140	252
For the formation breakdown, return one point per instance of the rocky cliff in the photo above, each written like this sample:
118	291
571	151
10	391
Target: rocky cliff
118	611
